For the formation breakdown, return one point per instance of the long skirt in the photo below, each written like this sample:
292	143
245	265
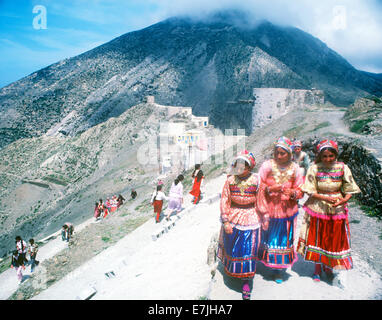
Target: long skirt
196	191
175	204
157	208
238	252
96	213
277	248
326	241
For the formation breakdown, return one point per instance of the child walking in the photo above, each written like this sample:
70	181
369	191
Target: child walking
196	188
157	201
17	262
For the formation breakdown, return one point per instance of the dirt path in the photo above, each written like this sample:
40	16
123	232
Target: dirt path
174	266
143	268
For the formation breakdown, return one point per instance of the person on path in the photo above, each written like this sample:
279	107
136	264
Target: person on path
300	157
113	203
102	209
175	197
22	248
282	180
133	194
325	234
32	250
67	231
239	237
97	212
105	212
157	201
17	262
196	170
108	204
197	185
120	200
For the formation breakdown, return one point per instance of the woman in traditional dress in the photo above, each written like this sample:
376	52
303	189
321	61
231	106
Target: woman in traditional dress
240	232
113	203
175	197
102	209
282	179
120	200
196	170
300	157
108	204
96	211
157	201
325	235
196	187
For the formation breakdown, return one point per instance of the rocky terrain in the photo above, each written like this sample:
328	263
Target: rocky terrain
78	131
124	237
202	64
49	179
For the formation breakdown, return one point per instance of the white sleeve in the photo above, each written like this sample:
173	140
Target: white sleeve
164	196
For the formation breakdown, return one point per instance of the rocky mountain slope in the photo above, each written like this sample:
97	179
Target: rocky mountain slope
46	180
128	258
203	64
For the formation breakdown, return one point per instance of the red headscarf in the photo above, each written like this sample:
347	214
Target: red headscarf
327	144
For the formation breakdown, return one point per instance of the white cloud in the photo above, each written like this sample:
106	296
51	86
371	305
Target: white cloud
353	28
357	35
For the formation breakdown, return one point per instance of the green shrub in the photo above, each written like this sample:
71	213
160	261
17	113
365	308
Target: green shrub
359	125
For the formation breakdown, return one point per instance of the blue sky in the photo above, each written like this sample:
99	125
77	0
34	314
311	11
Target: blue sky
353	28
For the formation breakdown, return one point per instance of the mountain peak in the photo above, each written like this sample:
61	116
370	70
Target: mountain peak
201	62
228	17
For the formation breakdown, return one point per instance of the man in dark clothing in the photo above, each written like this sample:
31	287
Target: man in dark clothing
21	248
120	200
33	248
67	231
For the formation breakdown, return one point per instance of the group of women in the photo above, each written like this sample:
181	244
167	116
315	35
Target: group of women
101	210
175	198
259	213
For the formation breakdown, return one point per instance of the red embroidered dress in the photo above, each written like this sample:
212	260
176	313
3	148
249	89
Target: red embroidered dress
238	202
325	234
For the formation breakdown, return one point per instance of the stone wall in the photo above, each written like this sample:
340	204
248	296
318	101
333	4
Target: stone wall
272	103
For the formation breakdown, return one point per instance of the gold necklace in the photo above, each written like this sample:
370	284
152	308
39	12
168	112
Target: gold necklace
282	176
242	184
